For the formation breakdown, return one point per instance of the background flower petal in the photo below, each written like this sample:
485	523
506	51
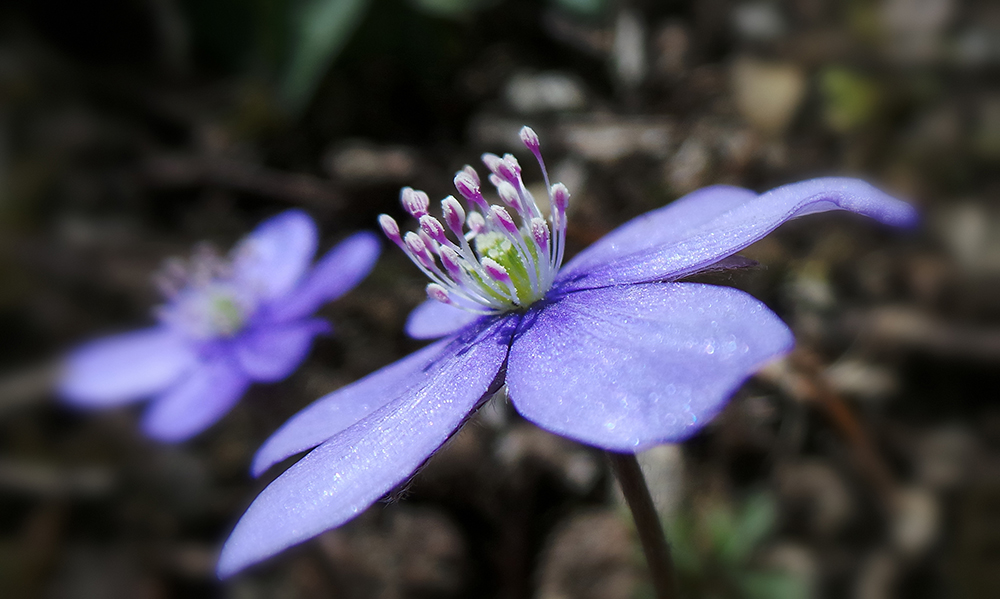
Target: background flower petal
273	258
349	472
626	368
724	233
433	319
197	402
127	367
272	352
336	273
430	367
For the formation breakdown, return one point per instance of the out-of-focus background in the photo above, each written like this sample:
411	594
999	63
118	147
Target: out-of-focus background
866	465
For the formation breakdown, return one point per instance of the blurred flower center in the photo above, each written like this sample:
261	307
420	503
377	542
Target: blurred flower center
204	298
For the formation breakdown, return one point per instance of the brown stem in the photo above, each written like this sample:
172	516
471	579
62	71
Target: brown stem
647	523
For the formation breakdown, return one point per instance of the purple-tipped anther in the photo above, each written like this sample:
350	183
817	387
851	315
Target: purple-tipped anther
495	271
503	219
530	140
414	201
468	187
454	215
450	260
391	228
509	195
560	198
415	244
476	223
438	293
433	228
492	161
540	232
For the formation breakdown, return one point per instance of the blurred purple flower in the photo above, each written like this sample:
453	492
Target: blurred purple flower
226	323
611	350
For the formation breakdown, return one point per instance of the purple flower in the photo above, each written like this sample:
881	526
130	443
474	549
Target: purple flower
611	350
226	323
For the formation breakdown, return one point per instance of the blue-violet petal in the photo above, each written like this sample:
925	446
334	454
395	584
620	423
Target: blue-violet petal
336	273
127	367
627	368
197	402
429	368
730	231
275	256
349	472
433	319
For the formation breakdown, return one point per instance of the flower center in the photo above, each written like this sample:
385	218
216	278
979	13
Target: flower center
203	298
491	263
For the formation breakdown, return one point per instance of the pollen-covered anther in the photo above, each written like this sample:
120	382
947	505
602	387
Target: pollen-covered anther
530	139
508	169
433	228
476	223
540	232
439	293
509	195
492	161
414	201
496	271
504	219
418	249
467	184
560	198
390	227
453	213
450	260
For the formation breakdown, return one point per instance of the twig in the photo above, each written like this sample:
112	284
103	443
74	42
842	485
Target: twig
294	188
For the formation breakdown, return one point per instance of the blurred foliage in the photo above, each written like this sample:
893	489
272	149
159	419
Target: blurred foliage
715	545
452	8
851	100
292	42
320	30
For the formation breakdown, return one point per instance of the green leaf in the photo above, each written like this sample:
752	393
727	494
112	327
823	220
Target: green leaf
754	522
452	8
320	30
773	585
588	8
851	100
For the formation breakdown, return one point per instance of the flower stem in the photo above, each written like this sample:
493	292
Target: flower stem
647	523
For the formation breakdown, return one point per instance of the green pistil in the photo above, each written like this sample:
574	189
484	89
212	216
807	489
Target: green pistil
226	314
499	248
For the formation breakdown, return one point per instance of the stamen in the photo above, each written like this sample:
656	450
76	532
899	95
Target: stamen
496	272
439	293
454	215
492	161
467	184
513	261
540	233
467	169
503	217
415	202
476	223
418	248
450	260
433	228
560	198
390	228
509	196
530	139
